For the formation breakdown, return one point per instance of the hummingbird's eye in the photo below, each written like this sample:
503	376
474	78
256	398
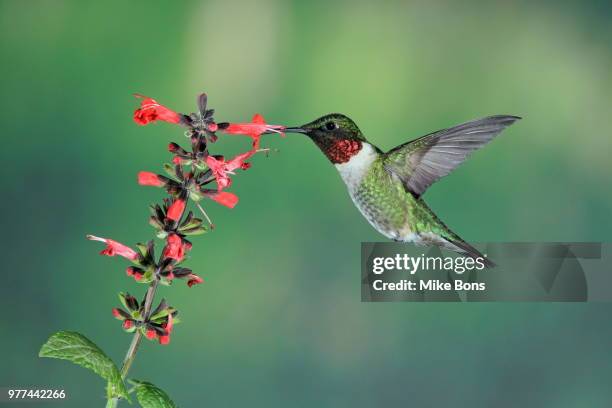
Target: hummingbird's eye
330	126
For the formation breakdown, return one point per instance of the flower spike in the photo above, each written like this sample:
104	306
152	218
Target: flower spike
189	177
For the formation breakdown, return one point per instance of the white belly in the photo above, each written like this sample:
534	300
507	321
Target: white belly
352	172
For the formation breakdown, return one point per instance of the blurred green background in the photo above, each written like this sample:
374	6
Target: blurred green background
279	320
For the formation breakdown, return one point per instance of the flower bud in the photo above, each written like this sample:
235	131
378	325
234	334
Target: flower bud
129	301
194	280
175	211
120	314
146	178
151	334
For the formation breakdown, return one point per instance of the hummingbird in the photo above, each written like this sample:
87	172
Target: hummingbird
387	187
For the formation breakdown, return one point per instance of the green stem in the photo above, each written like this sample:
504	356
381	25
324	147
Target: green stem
133	349
111	403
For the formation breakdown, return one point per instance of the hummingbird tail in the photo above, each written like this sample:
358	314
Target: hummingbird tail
466	249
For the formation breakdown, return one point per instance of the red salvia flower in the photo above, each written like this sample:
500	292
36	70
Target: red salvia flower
224	198
254	129
115	248
221	168
176	247
146	178
175	211
150	111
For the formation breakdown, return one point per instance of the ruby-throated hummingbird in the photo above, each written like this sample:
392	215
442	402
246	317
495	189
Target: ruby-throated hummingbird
387	187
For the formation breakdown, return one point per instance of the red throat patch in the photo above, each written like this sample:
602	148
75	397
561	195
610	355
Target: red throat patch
341	151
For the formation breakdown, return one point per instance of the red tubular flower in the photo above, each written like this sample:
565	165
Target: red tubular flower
176	247
115	248
221	168
194	280
219	172
150	111
128	324
175	211
224	198
254	129
146	178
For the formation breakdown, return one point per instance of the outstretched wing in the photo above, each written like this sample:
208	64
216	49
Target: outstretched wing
421	162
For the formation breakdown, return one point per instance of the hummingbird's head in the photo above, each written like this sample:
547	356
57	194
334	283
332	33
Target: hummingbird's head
336	135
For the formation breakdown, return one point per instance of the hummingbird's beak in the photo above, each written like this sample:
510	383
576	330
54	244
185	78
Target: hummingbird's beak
295	130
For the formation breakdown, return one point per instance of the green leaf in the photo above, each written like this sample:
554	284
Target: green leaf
187	219
161	315
154	222
75	347
142	248
149	396
190	222
194	231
